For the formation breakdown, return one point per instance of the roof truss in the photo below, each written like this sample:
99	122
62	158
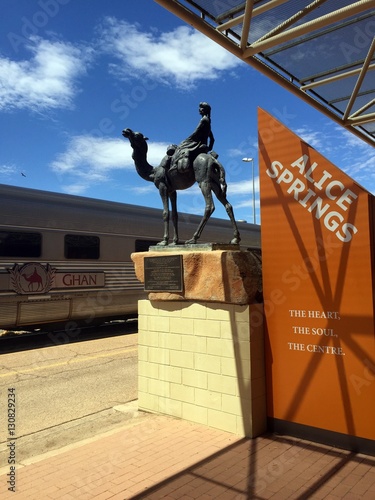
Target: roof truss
321	50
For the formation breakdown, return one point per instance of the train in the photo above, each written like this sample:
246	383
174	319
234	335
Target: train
65	259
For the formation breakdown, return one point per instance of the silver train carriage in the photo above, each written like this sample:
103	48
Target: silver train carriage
66	258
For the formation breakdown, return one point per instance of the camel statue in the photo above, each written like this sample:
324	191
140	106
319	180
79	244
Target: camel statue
206	170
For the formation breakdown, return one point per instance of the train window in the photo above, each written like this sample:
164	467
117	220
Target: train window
19	244
143	245
79	246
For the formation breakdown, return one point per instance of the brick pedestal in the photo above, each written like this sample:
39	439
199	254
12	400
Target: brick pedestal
203	361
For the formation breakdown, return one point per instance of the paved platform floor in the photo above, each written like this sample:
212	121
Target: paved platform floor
166	458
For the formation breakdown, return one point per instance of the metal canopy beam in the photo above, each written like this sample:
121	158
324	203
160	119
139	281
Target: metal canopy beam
316	24
313	23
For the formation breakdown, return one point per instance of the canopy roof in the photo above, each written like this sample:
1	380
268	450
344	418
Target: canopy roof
321	50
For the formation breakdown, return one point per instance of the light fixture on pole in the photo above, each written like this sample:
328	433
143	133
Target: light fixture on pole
248	160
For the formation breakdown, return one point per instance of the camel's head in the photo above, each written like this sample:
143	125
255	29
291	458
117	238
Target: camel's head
139	145
136	139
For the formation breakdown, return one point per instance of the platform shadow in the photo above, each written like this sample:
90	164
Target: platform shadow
265	466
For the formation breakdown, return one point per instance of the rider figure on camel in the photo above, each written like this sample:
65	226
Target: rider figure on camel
200	141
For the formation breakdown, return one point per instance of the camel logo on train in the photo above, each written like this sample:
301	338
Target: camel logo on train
32	278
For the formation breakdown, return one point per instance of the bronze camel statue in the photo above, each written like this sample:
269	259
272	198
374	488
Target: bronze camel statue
206	170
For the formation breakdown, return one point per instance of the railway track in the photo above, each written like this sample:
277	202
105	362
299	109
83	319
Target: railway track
17	340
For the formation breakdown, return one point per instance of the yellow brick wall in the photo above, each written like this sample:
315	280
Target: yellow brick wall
203	362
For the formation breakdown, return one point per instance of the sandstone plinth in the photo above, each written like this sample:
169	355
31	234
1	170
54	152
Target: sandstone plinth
214	276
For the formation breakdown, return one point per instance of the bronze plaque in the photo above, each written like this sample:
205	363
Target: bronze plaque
163	274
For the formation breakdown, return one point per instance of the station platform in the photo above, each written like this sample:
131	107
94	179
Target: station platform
161	457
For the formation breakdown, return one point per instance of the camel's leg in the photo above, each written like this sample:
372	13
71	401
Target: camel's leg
164	197
208	211
228	207
173	198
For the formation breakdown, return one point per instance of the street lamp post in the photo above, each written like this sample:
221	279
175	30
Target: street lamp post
248	160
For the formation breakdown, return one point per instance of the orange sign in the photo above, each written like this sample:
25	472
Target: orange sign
317	252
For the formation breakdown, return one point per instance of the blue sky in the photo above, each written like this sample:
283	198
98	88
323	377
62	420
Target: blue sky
74	73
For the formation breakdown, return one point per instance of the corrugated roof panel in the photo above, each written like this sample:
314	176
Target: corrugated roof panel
300	43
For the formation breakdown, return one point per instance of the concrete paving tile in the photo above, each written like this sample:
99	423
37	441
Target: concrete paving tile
341	490
50	489
61	492
351	479
218	490
161	496
321	493
168	458
120	496
201	490
266	494
125	477
67	496
369	495
284	494
362	469
351	496
360	488
332	497
106	495
125	488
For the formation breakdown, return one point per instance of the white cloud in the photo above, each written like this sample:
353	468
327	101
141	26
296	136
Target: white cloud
148	188
74	188
90	160
313	138
46	80
349	153
180	57
6	170
244	188
88	155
